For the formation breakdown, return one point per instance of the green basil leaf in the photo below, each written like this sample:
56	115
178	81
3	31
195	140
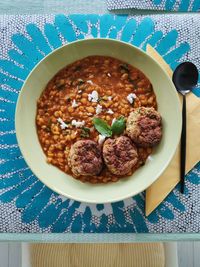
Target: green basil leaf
80	81
86	129
124	67
99	99
102	127
118	126
77	68
85	132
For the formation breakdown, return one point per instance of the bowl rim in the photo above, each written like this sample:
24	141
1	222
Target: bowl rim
112	199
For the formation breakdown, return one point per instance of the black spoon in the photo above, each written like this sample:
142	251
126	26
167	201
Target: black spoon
185	78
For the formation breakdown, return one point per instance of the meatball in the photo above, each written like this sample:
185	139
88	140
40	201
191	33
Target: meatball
144	127
85	158
120	155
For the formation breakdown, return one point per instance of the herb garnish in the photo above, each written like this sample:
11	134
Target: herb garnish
85	132
80	82
118	126
124	68
48	126
77	68
102	127
60	85
99	99
106	130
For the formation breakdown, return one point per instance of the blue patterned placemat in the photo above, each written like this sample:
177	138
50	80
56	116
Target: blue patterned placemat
168	5
26	205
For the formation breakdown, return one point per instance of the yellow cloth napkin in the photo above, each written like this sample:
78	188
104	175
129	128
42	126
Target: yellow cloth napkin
158	191
97	255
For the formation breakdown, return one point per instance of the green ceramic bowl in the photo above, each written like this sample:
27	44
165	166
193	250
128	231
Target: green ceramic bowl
168	106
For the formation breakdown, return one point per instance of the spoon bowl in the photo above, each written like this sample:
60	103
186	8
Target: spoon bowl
185	77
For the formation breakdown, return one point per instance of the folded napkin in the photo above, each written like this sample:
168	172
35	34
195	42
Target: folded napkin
168	5
158	191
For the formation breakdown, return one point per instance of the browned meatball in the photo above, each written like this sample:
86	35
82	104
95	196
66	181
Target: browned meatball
85	158
120	155
144	127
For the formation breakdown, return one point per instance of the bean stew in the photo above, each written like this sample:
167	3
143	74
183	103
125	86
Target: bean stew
95	86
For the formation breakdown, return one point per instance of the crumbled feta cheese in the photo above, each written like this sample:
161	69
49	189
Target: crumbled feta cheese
79	91
110	111
131	98
98	109
63	125
93	97
113	121
109	75
90	82
78	124
74	104
89	114
101	139
109	98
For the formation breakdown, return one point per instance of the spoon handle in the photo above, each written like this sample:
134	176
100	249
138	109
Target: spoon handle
183	144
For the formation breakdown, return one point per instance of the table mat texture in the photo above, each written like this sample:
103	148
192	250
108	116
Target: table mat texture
26	205
167	5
